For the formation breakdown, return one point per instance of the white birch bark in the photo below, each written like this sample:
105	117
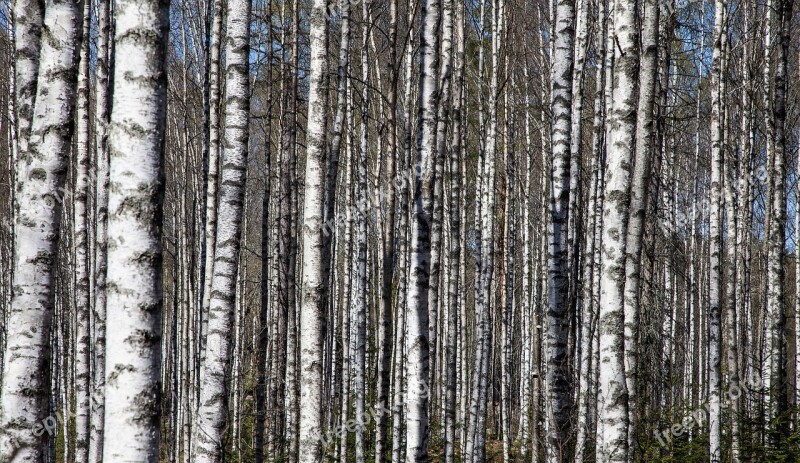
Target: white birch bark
312	312
289	192
557	319
442	114
136	143
526	300
81	219
41	165
485	212
27	35
613	424
360	305
742	228
399	376
454	24
776	310
731	323
417	341
102	113
212	165
471	423
759	371
263	387
715	235
587	387
388	246
215	376
507	291
575	212
645	140
346	331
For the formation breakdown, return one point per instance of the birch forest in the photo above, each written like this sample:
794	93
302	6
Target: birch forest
372	231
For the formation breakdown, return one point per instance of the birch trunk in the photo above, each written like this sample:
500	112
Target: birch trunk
613	419
527	301
456	31
776	310
417	341
360	305
388	243
262	384
558	378
289	192
346	331
507	323
480	292
742	227
215	375
136	142
312	311
715	234
27	35
212	166
575	213
81	220
102	113
442	115
645	141
41	165
587	392
484	220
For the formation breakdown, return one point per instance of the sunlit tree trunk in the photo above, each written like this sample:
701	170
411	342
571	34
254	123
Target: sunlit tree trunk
39	190
417	341
454	28
212	164
102	113
715	234
360	302
587	387
81	219
312	312
613	417
645	148
136	143
215	375
27	33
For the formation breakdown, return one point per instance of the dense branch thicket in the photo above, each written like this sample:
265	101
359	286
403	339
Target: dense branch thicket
401	230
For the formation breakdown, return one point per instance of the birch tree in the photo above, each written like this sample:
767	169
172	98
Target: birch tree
215	376
454	29
602	281
361	246
715	235
212	163
102	114
134	285
640	182
388	243
613	417
82	255
558	385
41	165
776	310
312	312
28	18
417	340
